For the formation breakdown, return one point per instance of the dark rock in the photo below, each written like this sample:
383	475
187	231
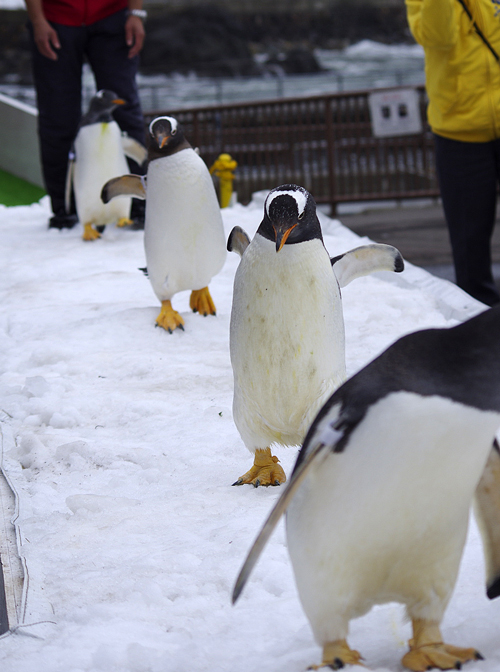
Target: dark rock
296	61
213	42
205	40
15	58
342	23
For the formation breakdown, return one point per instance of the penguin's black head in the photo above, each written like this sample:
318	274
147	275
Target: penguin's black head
101	106
290	216
165	136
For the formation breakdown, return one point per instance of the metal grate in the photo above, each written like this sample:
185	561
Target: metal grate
323	143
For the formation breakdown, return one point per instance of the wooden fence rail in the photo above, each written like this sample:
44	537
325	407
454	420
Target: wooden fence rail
323	143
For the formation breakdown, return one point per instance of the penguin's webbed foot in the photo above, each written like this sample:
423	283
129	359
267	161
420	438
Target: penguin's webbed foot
440	655
124	221
265	471
89	233
169	319
337	655
427	649
201	302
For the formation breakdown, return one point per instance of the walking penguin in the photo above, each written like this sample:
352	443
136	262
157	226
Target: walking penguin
98	154
184	236
378	504
287	326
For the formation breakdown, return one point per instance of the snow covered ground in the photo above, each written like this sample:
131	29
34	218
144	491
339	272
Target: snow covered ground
119	441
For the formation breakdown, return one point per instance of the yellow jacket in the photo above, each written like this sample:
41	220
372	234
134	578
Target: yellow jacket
462	76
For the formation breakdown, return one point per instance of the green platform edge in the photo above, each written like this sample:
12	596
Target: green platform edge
15	191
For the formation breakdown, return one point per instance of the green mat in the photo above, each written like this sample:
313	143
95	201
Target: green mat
15	191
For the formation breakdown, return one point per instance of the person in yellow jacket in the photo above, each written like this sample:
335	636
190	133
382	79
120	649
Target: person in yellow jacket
461	41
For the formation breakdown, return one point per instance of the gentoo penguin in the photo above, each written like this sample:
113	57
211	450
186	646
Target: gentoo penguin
378	502
98	155
287	326
183	235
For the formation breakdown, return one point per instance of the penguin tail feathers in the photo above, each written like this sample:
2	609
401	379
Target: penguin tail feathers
487	513
238	241
365	260
68	187
493	590
126	185
319	452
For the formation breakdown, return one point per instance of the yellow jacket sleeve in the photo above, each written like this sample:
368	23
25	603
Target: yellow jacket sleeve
462	77
434	23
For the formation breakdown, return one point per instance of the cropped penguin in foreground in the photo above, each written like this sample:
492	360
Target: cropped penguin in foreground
378	502
287	325
98	154
183	234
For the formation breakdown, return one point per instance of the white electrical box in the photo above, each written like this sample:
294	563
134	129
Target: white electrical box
395	112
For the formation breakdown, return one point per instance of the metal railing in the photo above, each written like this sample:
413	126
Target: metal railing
324	143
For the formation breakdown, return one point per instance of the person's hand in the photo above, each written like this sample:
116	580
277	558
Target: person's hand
134	35
46	39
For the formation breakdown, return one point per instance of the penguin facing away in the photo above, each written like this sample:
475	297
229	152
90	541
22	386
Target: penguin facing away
287	327
378	502
99	152
183	235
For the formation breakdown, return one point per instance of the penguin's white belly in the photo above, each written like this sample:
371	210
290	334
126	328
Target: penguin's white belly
286	341
184	235
99	158
386	520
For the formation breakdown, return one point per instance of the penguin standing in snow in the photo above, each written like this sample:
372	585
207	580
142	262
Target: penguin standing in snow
378	503
287	326
183	234
99	152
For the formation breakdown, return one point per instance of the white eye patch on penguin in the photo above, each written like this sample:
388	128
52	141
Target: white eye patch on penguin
299	195
290	216
171	121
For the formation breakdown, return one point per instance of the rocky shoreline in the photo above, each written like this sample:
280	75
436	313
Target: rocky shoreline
213	42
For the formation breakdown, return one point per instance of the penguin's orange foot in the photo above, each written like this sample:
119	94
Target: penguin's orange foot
89	233
124	221
440	655
169	318
265	470
201	302
337	655
427	649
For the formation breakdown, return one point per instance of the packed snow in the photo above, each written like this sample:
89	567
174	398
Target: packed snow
119	442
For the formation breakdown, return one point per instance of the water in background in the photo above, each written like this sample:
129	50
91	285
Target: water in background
365	65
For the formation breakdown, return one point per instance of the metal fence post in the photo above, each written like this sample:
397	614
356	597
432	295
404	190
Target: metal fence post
330	143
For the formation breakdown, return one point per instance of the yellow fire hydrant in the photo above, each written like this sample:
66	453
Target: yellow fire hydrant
224	168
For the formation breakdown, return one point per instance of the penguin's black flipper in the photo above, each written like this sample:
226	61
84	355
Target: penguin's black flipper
238	241
366	259
325	441
487	512
126	185
133	149
68	189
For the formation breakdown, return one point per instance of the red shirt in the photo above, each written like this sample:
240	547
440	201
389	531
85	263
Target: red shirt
81	12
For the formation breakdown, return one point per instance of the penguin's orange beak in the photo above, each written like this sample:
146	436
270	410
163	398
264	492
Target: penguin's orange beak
282	235
119	101
161	138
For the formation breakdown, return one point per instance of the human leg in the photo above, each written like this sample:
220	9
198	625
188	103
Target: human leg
107	53
58	87
467	174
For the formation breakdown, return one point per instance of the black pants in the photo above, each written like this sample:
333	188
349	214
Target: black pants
59	92
468	174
